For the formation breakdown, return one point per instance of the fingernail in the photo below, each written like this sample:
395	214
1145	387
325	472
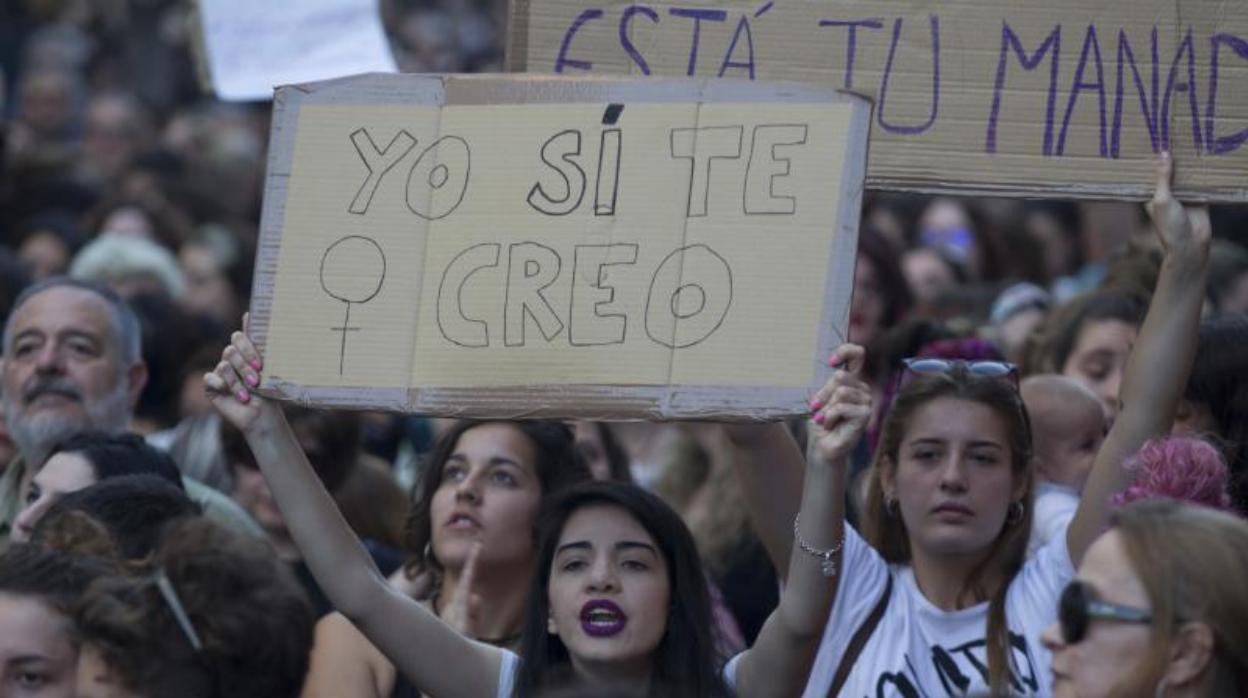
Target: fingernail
819	418
255	363
253	379
815	404
835	360
243	396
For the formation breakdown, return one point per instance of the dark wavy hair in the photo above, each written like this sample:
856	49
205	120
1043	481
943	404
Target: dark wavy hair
117	455
55	577
1061	329
558	466
1219	381
245	607
686	662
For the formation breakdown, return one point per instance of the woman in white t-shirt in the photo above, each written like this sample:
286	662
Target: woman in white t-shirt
620	599
936	589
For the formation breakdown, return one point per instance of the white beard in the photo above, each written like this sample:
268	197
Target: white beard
37	434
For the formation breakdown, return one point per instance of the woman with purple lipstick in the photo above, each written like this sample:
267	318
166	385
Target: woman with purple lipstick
620	599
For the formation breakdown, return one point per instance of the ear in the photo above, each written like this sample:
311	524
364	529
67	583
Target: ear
136	379
1020	486
1191	652
888	478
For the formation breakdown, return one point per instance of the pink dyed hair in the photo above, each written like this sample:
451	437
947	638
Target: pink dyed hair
1186	469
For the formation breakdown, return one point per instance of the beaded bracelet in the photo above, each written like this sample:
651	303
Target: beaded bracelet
827	557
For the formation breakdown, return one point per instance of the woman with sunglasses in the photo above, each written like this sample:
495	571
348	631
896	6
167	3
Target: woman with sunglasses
934	597
1158	607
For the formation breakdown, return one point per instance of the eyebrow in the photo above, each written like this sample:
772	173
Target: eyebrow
941	442
30	659
622	545
66	333
494	460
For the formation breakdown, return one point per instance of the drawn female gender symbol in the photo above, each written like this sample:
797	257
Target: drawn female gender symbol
352	271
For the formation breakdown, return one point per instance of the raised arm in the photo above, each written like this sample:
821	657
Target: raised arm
769	466
432	655
779	662
1159	364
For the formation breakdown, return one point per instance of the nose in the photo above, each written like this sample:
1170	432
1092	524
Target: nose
953	474
1109	392
49	359
602	575
1051	638
469	489
25	522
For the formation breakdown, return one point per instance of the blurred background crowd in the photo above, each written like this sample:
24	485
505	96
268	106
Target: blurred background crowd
118	168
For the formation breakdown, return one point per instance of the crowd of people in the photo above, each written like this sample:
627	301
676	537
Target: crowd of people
1026	474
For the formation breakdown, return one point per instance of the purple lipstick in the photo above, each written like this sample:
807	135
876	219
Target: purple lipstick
601	618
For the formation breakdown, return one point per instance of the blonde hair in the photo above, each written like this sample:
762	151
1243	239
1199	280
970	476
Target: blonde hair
1193	563
887	531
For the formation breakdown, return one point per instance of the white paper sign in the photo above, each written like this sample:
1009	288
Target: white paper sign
254	46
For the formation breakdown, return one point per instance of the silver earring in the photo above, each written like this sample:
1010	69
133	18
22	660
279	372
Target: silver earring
1015	515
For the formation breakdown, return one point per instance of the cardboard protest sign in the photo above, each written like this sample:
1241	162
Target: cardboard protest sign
245	48
529	246
1066	98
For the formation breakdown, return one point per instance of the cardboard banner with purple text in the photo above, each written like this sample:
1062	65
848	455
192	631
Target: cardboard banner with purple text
1063	98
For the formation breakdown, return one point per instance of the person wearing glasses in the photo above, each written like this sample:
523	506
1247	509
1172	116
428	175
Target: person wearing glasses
1158	607
935	596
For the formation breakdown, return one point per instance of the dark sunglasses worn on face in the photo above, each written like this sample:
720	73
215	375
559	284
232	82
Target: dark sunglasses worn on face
1076	608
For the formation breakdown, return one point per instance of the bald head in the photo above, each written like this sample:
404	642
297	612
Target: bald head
1068	423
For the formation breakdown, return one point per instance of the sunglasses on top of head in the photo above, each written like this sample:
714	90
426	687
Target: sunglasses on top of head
924	366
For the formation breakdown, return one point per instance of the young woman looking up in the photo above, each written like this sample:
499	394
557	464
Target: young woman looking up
478	500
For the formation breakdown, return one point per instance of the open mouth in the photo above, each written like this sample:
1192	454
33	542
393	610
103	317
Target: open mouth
462	521
602	618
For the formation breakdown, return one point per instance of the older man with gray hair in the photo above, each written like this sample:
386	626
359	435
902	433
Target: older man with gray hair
72	362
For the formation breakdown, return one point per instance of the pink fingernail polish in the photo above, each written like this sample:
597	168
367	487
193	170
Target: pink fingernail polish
835	360
255	364
252	379
243	396
815	404
819	418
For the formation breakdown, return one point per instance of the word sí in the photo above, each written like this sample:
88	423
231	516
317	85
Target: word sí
444	167
689	292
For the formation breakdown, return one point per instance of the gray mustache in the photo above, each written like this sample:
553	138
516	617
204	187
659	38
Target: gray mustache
51	386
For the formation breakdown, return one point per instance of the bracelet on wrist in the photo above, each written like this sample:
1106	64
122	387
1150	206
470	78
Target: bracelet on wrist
827	558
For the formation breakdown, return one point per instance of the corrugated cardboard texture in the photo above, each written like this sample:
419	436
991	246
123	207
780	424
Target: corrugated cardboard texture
1067	98
526	246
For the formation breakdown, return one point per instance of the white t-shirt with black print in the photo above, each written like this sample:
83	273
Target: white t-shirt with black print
921	651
